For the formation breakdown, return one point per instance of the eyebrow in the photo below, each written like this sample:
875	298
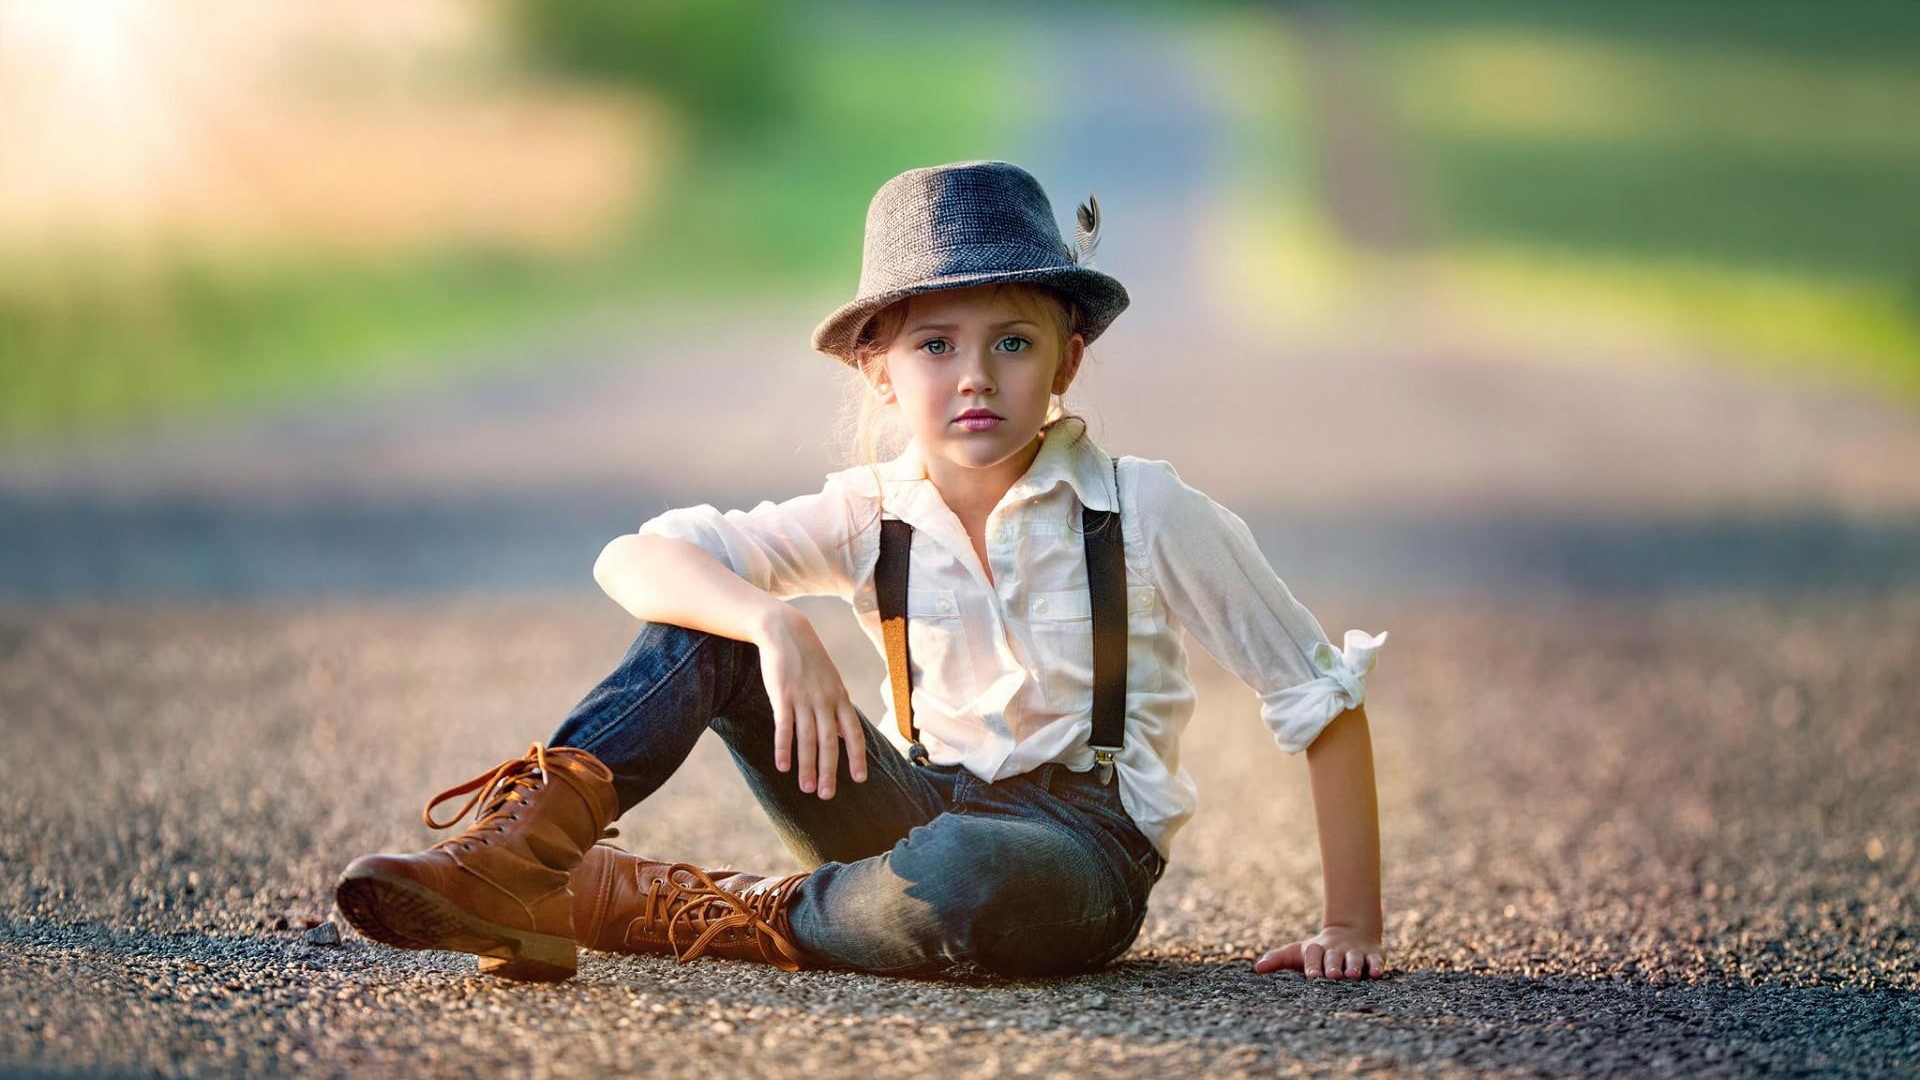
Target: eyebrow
917	327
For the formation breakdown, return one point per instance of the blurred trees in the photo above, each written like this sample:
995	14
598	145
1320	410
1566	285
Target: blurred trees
726	63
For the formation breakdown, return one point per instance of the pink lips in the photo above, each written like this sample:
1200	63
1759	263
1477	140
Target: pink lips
978	421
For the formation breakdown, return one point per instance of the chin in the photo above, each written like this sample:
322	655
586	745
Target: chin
990	448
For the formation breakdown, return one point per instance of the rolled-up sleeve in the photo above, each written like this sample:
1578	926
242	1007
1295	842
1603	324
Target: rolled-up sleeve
1219	585
799	547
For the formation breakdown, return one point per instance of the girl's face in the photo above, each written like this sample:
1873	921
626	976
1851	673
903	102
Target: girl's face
978	349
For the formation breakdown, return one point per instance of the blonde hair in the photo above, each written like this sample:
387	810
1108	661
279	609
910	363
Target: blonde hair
869	431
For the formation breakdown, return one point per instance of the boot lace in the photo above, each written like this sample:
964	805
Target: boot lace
499	794
710	911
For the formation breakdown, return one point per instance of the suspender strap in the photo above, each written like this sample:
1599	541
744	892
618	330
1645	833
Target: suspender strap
1107	582
890	581
1107	579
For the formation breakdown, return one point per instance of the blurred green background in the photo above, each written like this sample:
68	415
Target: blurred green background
330	203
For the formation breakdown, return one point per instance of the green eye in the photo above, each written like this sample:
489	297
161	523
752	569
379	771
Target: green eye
1014	337
935	341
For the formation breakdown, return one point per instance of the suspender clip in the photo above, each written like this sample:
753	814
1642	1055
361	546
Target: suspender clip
917	753
1103	758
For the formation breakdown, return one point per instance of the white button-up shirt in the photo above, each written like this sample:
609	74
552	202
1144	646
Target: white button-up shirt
1002	668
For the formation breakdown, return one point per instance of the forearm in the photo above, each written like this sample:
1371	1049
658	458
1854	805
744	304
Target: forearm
1346	812
666	579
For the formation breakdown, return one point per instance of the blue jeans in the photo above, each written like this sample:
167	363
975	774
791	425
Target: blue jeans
917	870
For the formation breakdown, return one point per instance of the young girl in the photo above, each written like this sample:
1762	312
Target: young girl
1028	591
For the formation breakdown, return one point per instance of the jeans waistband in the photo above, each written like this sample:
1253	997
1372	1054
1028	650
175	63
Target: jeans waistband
1055	775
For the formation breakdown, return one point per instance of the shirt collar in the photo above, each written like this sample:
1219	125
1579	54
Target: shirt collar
1067	455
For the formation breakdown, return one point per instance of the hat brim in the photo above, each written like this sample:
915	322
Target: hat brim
1101	296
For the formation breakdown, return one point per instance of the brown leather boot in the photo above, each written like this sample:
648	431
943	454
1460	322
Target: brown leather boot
499	889
625	903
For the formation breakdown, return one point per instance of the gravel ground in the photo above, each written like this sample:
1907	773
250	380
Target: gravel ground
1660	837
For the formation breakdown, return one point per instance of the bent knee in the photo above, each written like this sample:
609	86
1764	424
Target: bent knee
1038	909
1055	947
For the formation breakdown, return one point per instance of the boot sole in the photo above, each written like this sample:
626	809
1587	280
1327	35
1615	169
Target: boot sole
395	911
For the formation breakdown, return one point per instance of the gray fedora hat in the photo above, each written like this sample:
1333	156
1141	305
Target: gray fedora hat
969	223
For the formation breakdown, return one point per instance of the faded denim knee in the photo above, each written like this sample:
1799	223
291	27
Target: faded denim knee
1009	895
1043	902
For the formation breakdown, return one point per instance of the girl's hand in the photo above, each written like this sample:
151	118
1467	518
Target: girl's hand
811	710
1341	952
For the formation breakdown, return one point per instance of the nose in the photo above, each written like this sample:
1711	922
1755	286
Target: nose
976	374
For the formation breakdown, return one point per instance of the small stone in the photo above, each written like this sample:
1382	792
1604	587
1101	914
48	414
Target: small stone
324	934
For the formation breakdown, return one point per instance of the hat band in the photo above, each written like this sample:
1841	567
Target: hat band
977	258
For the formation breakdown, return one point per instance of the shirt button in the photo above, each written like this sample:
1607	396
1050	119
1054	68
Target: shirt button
1039	605
946	605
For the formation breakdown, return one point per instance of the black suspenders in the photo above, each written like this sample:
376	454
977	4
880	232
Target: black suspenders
1107	581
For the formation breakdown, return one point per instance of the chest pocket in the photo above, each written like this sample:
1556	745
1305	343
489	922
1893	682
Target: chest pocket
932	603
937	646
1062	625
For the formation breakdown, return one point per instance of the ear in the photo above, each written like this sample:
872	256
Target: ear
874	371
1070	357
